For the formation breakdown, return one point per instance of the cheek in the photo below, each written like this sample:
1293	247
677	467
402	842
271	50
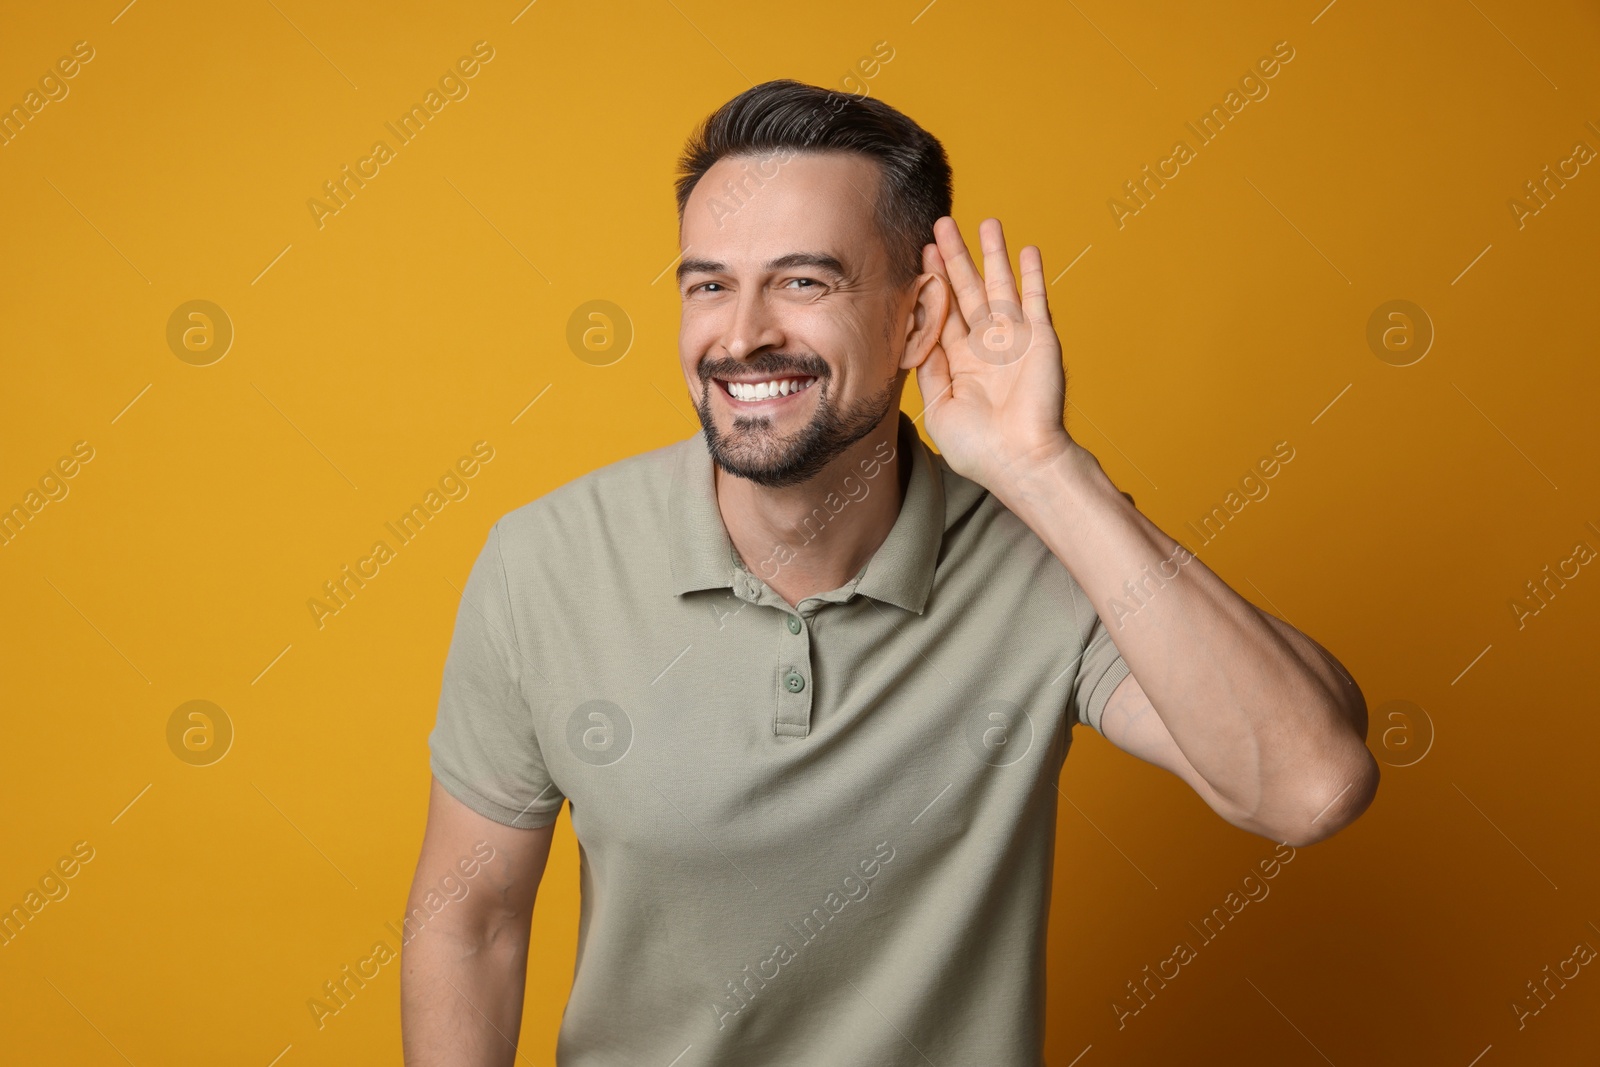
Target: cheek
691	380
689	362
699	330
854	343
692	345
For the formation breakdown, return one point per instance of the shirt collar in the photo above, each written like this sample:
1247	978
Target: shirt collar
701	555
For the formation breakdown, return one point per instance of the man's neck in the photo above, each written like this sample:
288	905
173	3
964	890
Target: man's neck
814	537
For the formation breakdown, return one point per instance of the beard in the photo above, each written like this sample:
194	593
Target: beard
753	449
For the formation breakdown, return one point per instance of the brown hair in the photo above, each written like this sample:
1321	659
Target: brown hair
791	117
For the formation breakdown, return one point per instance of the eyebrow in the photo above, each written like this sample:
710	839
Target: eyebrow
820	260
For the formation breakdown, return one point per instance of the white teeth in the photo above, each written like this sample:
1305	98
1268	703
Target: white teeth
766	390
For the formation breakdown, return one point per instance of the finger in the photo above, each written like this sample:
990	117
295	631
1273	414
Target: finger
963	272
997	279
953	332
933	378
933	262
1035	301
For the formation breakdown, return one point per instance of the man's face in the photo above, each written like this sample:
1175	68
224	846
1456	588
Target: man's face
787	338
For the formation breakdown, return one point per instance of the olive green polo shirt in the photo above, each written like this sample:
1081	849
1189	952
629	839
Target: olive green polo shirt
819	835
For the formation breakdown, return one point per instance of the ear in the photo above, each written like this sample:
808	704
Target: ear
931	304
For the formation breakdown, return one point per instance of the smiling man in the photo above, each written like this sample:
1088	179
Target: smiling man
807	685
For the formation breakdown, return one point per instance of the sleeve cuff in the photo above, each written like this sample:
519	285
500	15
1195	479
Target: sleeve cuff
535	816
1102	693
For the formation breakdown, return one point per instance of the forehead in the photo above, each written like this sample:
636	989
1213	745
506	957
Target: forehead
760	206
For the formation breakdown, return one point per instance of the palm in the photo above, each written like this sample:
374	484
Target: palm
994	385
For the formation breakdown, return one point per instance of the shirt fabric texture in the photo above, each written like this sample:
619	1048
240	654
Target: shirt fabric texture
812	835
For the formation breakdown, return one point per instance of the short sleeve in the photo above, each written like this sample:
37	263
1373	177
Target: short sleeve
483	748
1100	670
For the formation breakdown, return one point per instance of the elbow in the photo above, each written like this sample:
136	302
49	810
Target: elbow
1337	800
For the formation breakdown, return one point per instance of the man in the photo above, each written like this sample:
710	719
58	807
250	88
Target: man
806	685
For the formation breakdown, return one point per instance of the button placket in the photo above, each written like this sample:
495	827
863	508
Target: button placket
795	687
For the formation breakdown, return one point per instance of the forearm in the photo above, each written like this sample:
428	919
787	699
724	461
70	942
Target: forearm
1259	710
461	997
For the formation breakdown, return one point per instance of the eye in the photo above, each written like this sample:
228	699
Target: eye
808	281
703	285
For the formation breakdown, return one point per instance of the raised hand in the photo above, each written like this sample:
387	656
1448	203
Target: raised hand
994	385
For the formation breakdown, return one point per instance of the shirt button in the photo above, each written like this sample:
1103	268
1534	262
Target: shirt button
794	681
794	624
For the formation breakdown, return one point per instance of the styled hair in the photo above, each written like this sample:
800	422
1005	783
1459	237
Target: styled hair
786	116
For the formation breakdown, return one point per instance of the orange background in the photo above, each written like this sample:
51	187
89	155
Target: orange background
369	354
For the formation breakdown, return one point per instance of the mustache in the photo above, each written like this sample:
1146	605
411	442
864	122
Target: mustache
776	364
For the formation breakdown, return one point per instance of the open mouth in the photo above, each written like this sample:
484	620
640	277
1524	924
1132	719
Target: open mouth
754	392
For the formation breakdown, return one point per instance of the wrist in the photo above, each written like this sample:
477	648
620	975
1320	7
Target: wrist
1062	471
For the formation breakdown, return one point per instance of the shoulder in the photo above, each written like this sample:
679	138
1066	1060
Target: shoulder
976	520
621	503
989	555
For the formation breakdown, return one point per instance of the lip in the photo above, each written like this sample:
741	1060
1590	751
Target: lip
766	402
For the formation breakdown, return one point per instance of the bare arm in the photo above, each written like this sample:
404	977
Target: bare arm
463	971
1130	723
1273	727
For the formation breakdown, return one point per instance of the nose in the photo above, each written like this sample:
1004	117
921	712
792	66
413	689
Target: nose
753	326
